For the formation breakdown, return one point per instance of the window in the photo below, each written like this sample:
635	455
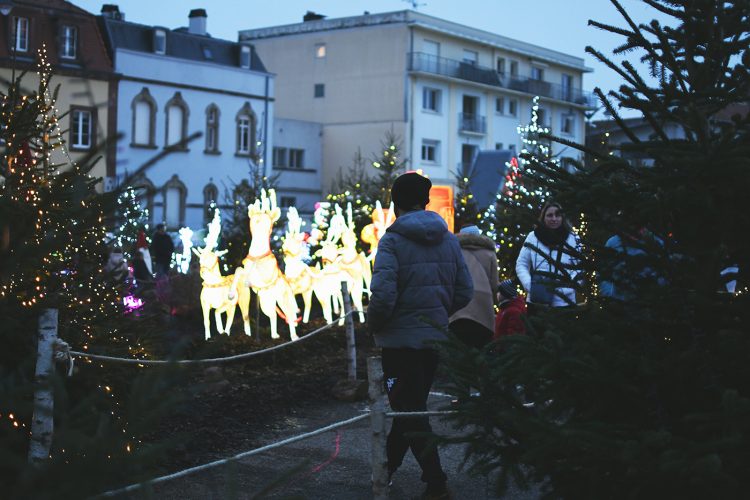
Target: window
144	119
500	105
320	90
296	158
212	129
471	57
320	50
81	128
175	193
512	148
280	157
430	150
160	42
246	131
207	54
537	73
21	34
568	124
567	87
68	42
210	195
513	107
498	145
514	68
245	57
501	65
431	99
177	117
288	201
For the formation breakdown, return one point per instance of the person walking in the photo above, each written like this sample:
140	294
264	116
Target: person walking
548	256
162	247
419	279
474	324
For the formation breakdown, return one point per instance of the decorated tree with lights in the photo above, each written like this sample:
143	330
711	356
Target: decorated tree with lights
131	219
524	190
464	205
389	164
645	392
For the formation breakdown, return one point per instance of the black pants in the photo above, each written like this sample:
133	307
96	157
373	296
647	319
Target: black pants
471	333
408	376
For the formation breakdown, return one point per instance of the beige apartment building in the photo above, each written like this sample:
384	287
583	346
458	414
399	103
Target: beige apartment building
447	90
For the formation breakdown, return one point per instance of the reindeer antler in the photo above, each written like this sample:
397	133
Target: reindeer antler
293	221
214	230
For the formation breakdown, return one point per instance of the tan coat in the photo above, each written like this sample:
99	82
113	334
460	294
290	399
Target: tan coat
479	254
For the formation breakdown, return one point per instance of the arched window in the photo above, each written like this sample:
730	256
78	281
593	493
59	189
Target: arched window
175	194
210	195
212	129
144	120
144	192
246	126
177	118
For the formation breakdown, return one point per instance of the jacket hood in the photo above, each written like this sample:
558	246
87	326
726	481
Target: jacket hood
475	240
421	226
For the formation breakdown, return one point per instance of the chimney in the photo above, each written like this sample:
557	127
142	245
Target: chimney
197	24
312	16
112	11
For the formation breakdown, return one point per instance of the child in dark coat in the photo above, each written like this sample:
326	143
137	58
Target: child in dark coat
508	320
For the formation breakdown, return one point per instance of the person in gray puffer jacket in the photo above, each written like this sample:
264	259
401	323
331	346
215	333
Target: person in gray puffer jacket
419	279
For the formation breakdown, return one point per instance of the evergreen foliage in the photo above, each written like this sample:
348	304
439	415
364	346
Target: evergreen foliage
644	395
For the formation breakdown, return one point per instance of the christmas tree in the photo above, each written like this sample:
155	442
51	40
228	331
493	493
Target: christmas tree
464	206
645	393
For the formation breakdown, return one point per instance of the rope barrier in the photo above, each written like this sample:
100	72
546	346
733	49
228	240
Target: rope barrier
207	361
240	456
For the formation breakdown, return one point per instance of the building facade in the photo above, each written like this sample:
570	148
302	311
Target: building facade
446	89
296	162
205	105
81	67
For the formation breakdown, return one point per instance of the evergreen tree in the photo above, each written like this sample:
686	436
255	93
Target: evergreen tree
131	219
464	206
389	166
647	394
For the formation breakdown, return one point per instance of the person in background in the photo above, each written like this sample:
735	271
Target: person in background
548	255
141	246
418	281
474	324
509	318
116	266
162	248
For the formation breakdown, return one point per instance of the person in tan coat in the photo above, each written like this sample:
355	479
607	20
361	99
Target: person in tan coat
475	323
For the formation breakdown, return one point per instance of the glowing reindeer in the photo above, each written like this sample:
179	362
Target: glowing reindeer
183	260
219	292
381	220
355	264
261	271
303	278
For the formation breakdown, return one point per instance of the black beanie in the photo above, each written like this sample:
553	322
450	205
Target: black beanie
507	288
410	190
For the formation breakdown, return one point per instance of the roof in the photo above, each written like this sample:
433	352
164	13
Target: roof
487	175
427	22
180	44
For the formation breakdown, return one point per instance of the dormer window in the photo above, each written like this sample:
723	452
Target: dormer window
160	41
245	57
207	54
21	34
68	42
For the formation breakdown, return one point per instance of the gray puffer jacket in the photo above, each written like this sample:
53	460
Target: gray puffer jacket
420	278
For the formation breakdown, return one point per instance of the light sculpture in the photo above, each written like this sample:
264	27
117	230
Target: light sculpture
183	259
381	220
260	269
220	293
355	264
304	279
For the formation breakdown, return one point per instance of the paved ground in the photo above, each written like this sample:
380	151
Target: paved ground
332	466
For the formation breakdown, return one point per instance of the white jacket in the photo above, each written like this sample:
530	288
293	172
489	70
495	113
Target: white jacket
529	260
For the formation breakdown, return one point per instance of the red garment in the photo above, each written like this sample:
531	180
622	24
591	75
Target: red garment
141	241
508	319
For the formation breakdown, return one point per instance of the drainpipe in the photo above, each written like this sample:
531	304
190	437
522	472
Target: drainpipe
265	127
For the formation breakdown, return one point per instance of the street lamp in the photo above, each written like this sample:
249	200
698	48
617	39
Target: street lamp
6	6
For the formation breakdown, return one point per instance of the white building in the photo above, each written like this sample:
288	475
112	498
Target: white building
174	83
446	89
297	160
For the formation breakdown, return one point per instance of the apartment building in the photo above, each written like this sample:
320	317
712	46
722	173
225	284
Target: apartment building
81	67
448	90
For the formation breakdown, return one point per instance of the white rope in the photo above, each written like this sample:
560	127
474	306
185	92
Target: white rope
62	353
418	413
240	456
208	361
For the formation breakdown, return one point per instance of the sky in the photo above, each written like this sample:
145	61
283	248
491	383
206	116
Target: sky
556	24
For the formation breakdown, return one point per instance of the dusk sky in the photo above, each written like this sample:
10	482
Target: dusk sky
555	24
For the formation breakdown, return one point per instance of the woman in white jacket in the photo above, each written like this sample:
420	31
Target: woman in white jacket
549	249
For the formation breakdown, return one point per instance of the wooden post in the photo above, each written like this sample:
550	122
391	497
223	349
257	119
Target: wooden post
41	421
351	346
377	426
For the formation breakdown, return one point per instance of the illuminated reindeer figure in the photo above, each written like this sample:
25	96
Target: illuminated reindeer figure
261	271
183	259
303	278
219	292
355	264
381	220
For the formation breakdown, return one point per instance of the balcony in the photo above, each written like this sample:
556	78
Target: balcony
419	61
472	123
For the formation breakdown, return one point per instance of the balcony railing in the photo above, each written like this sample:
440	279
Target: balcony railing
419	61
471	122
